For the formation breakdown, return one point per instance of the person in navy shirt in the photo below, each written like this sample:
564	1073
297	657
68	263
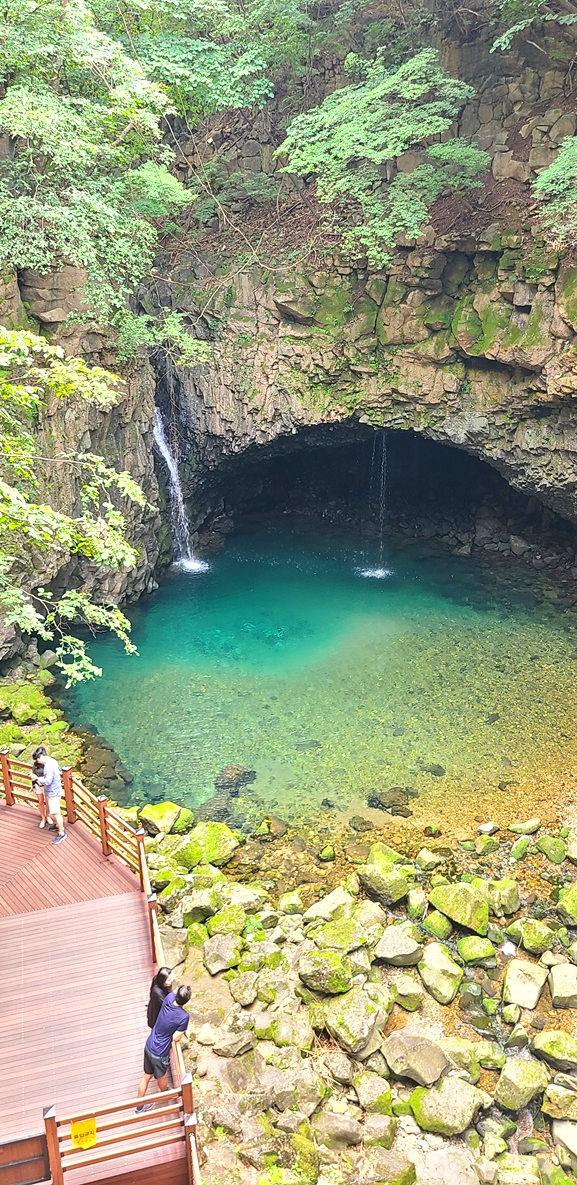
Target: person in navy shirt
171	1025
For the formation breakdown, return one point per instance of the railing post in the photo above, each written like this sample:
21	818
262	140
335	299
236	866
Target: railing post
7	777
152	913
54	1158
68	787
191	1150
141	855
187	1099
102	800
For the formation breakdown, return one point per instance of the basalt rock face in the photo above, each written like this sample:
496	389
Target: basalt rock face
467	340
122	435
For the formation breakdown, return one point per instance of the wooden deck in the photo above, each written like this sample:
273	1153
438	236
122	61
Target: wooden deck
36	875
76	969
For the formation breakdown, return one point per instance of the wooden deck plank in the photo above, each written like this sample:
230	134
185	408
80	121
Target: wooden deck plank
75	949
34	874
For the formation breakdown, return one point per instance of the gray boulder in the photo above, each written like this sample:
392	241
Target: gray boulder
337	1131
388	1168
523	983
409	1054
340	1068
520	1080
398	948
379	1131
447	1108
563	985
221	952
451	1167
325	971
352	1020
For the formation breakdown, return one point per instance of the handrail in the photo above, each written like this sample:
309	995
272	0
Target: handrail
117	838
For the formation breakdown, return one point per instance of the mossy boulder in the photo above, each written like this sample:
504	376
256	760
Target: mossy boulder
344	934
325	971
172	893
520	1080
159	816
533	935
475	950
385	883
197	934
438	925
567	904
351	1020
216	843
557	1048
464	1054
464	904
552	847
391	1168
373	1093
408	992
440	973
518	1170
229	920
448	1108
503	896
184	822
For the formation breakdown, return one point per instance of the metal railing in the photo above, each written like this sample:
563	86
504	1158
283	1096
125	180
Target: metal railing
117	838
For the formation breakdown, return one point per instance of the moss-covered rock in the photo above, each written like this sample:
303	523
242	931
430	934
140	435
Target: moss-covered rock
475	950
197	934
325	971
447	1108
437	925
520	1080
159	816
464	1054
533	935
215	841
231	919
552	847
373	1093
464	904
557	1048
352	1019
385	883
184	822
344	934
567	904
440	973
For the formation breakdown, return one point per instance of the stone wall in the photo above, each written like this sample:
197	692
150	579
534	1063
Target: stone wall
467	340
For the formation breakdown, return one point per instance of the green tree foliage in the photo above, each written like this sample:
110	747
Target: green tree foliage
556	188
520	16
357	131
87	181
36	539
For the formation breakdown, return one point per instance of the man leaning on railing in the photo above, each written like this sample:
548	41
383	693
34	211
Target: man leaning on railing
51	784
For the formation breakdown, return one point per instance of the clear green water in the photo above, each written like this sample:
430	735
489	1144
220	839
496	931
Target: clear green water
284	657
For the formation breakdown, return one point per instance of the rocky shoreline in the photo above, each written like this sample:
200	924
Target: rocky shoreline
415	1023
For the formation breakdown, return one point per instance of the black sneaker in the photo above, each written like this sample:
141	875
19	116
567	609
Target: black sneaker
52	827
144	1107
60	838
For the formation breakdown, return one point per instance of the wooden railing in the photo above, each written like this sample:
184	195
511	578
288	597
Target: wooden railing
121	1132
117	838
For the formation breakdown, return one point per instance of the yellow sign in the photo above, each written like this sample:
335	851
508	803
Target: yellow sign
83	1133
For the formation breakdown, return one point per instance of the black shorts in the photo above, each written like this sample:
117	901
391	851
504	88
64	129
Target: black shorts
157	1066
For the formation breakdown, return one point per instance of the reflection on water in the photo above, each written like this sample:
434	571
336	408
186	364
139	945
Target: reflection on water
284	657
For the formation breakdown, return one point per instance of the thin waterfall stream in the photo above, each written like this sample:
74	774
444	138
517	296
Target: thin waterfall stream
185	557
378	496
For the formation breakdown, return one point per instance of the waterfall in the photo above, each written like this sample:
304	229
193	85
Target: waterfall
378	498
185	557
